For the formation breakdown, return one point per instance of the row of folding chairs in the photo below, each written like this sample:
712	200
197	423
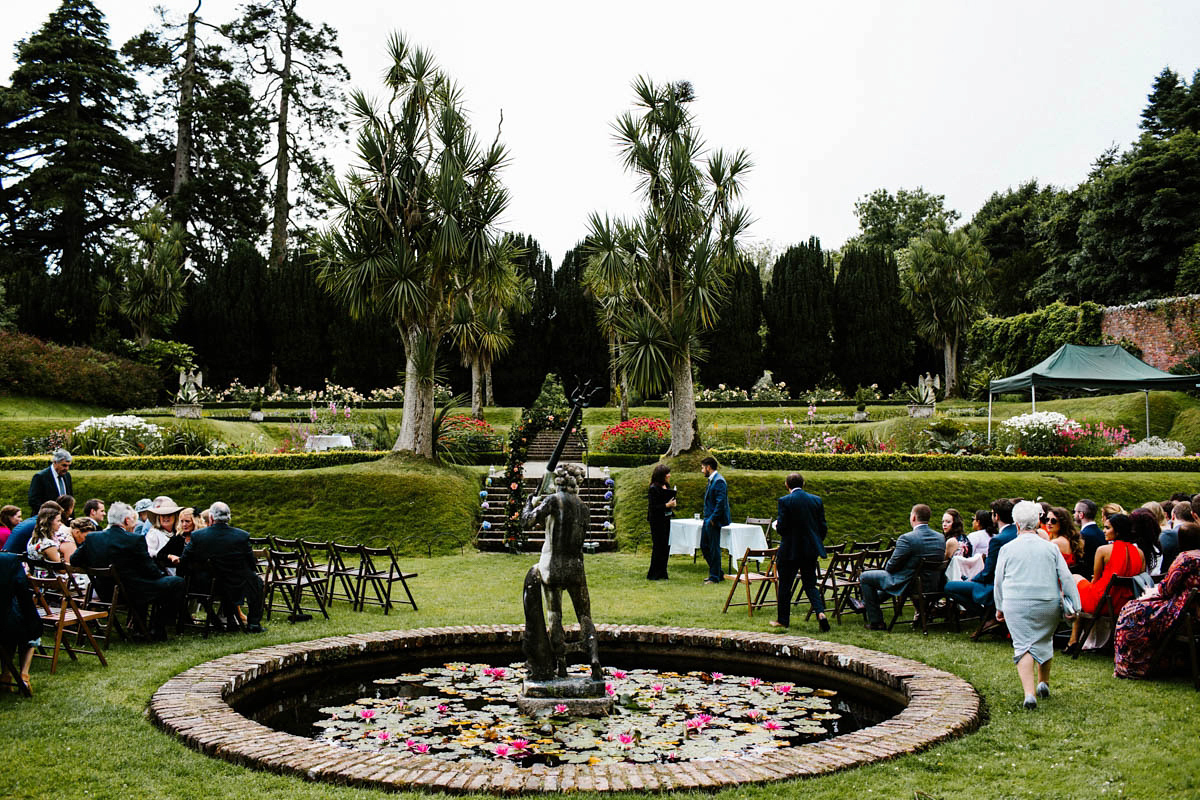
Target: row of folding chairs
297	571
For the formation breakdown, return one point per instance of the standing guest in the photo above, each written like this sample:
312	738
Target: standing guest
10	517
1120	556
1031	576
148	585
957	543
1111	508
1144	622
660	507
18	540
54	481
1085	516
163	517
20	625
142	509
716	516
95	511
920	543
231	559
1064	536
800	523
975	595
983	528
42	544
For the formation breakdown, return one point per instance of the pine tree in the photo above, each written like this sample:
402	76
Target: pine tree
872	331
799	315
734	344
1165	105
67	170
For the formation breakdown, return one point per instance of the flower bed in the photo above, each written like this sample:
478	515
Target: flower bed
642	435
1049	433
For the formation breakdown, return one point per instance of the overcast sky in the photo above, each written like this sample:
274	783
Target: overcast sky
832	100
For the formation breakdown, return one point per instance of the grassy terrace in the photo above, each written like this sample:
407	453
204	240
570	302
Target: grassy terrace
84	733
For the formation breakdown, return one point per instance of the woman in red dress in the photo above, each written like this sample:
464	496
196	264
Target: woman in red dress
1119	557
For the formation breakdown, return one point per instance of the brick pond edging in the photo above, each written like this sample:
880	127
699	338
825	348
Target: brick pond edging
194	705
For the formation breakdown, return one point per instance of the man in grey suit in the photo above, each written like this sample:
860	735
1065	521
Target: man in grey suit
919	543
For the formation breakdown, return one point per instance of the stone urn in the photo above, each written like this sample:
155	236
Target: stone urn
188	410
256	415
859	416
920	411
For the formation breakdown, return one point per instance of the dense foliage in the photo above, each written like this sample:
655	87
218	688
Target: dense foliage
43	369
1011	344
644	435
798	310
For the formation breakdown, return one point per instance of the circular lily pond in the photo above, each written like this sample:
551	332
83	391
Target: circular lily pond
467	712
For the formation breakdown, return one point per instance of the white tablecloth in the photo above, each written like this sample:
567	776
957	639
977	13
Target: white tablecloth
685	537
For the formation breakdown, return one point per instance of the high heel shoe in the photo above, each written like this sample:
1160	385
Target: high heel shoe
1073	648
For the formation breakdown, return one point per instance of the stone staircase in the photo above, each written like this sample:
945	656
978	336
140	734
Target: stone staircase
591	493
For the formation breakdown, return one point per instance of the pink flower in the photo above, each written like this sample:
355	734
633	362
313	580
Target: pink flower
609	690
498	673
698	722
771	726
519	744
383	736
716	676
625	738
367	713
561	708
754	682
657	687
619	674
442	709
501	750
420	748
784	688
409	743
754	713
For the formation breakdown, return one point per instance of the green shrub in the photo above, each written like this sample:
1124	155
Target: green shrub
250	462
42	369
1007	345
620	459
889	462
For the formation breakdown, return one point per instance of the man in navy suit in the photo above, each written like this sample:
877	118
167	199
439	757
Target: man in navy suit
976	594
716	516
52	482
226	551
119	547
800	523
920	543
1093	537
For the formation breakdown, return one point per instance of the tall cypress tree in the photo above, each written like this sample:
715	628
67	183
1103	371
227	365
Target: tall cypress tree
520	371
799	315
734	344
67	169
578	348
872	331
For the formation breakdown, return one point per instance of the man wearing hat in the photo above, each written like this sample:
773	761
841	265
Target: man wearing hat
142	509
52	482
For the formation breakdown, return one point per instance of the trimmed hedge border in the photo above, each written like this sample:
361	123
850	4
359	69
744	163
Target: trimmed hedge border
256	461
621	459
849	402
911	462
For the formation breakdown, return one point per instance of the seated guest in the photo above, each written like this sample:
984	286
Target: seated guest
1085	515
975	595
20	625
1120	556
1144	622
1063	535
148	585
919	543
94	510
176	544
142	508
1160	517
10	517
164	518
983	528
1145	536
226	551
1168	540
18	540
1029	572
42	544
956	538
80	528
62	531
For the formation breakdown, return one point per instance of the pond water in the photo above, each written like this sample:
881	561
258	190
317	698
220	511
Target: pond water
466	711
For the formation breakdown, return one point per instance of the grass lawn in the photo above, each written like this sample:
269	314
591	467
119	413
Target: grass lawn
84	734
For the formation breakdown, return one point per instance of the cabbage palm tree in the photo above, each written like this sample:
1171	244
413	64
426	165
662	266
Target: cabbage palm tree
943	281
415	220
148	287
672	264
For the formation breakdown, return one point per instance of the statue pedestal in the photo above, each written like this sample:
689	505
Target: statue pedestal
583	697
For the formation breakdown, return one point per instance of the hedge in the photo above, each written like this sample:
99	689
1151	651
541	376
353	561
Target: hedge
249	462
80	374
621	459
846	401
932	462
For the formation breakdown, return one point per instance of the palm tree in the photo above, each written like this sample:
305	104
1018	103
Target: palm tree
943	281
148	287
415	224
670	266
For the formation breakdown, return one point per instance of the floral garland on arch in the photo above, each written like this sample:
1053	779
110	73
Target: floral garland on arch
533	421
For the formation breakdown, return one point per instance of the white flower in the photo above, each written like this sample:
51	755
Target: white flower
1153	447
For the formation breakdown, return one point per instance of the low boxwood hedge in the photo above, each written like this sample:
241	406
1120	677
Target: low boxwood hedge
620	459
252	461
932	462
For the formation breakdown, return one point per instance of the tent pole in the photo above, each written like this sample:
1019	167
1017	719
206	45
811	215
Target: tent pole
1147	392
1033	395
989	416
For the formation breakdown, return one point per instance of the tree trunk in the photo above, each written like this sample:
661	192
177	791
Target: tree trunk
685	432
183	125
416	426
489	398
476	388
624	390
950	356
613	373
279	224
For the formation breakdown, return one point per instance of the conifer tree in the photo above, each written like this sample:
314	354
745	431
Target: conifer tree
799	315
872	336
734	345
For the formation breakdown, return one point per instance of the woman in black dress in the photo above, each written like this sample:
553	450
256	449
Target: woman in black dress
660	509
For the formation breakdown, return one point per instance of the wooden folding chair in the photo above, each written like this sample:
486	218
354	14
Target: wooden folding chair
765	523
290	576
68	615
831	550
201	593
767	579
380	579
855	546
839	583
1106	610
346	572
1185	633
876	559
924	592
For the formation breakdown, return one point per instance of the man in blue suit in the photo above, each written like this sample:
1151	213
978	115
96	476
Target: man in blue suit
716	516
52	482
225	551
1093	537
919	543
975	595
800	523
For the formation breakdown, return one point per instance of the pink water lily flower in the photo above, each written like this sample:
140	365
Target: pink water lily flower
625	738
367	713
698	722
498	673
420	748
754	713
501	750
519	744
716	676
561	708
754	683
619	674
784	688
383	736
409	743
771	726
443	708
657	687
609	690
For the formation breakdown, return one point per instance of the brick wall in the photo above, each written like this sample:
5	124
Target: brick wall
1167	330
